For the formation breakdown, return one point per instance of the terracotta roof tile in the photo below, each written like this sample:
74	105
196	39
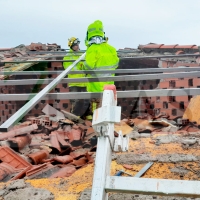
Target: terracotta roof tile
150	46
64	172
168	46
9	156
39	156
162	46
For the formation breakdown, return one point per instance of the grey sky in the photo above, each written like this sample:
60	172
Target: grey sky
127	23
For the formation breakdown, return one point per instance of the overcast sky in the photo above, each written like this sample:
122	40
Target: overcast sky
127	23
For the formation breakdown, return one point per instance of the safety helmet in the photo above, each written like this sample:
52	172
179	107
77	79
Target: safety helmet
73	41
95	29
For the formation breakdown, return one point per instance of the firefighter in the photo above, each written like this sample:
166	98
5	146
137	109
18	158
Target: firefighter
78	107
99	56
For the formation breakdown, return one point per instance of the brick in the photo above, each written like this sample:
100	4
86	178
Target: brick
196	82
173	112
158	105
167	99
181	98
170	79
163	85
182	83
174	105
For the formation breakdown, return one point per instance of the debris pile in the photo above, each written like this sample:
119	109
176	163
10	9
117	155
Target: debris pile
48	146
56	144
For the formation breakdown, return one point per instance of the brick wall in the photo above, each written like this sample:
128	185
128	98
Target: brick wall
131	107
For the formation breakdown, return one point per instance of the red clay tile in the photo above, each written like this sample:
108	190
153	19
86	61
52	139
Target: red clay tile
64	159
179	52
61	135
186	47
64	172
89	157
17	132
39	156
44	172
88	123
21	174
190	128
5	171
75	127
80	162
38	168
75	136
127	166
77	155
90	131
54	141
20	142
168	46
8	156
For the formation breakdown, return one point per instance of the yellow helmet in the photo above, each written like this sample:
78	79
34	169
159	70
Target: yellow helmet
73	41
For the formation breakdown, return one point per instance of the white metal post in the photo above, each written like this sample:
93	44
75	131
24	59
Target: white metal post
103	123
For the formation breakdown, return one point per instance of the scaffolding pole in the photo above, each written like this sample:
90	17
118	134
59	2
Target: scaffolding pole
103	79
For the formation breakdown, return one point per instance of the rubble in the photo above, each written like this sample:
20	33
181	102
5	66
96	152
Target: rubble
19	189
56	146
46	146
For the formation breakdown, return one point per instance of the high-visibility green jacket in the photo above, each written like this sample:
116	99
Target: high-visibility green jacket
100	57
79	66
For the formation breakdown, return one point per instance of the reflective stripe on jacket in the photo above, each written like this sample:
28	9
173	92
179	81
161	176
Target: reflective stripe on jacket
72	56
100	57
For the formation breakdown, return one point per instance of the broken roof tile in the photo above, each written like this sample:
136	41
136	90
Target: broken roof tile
54	141
6	171
18	131
19	142
45	172
9	156
64	159
39	156
77	154
64	172
80	162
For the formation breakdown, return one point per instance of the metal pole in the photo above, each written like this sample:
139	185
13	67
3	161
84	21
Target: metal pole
151	186
28	106
120	94
103	153
118	71
103	79
121	58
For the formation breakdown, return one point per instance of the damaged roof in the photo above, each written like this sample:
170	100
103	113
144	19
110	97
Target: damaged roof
24	53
